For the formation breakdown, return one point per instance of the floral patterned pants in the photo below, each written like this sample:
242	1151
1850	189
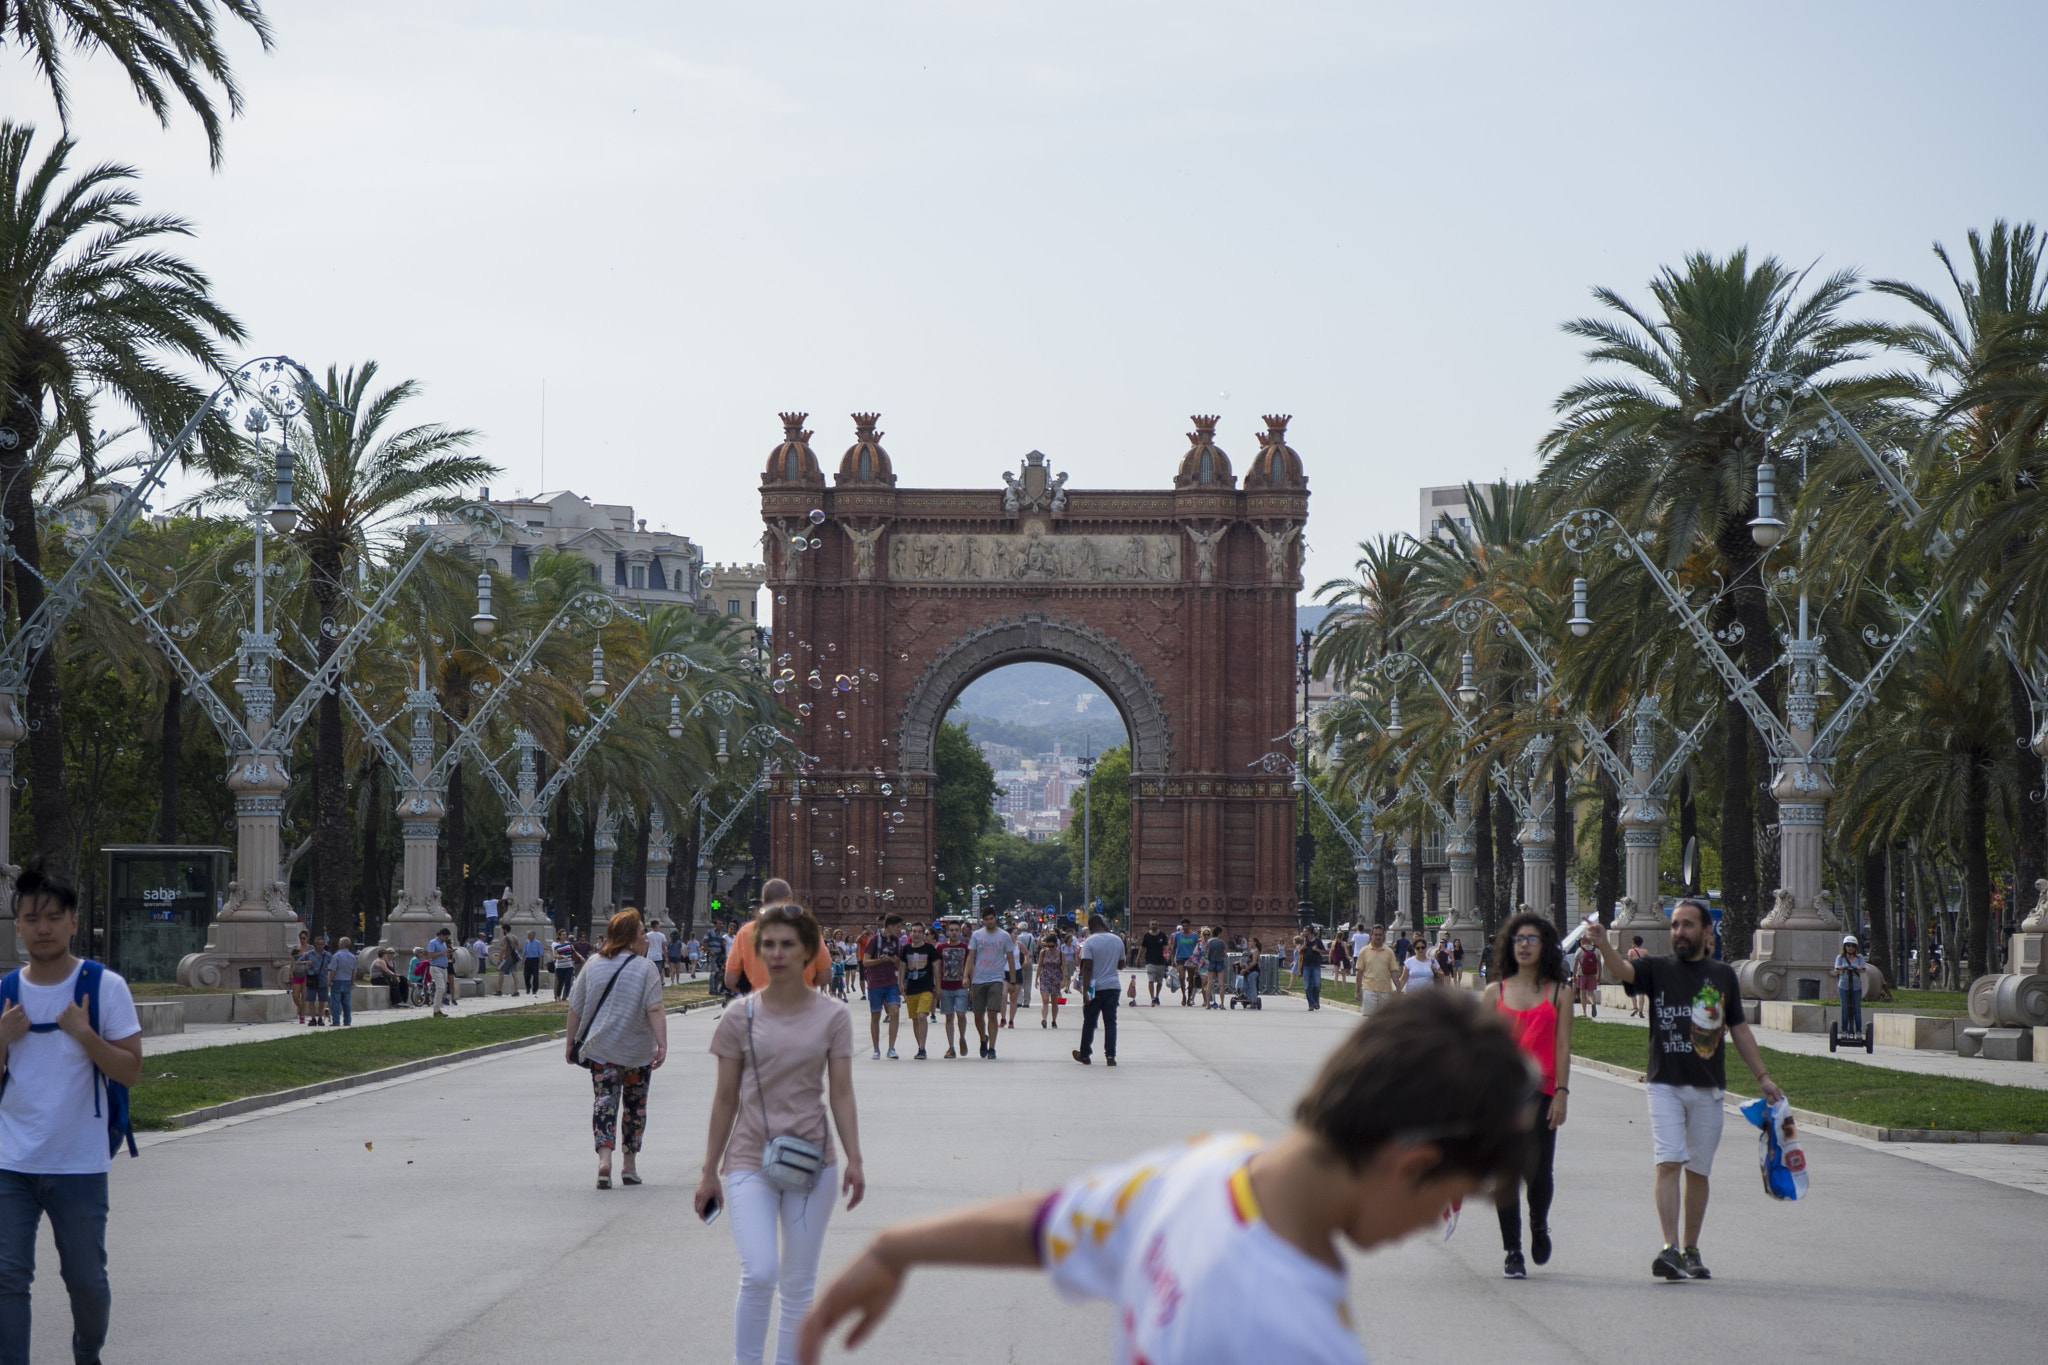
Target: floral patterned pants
616	1087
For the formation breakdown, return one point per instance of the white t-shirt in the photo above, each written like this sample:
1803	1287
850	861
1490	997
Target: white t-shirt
1104	953
1421	970
989	953
47	1124
657	946
491	908
1026	943
1176	1239
1359	943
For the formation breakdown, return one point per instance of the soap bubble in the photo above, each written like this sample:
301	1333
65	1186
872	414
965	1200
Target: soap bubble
803	708
779	687
782	597
704	578
817	516
816	680
817	544
887	789
798	543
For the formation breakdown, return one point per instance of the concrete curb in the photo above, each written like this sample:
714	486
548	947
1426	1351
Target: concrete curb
251	1103
1862	1130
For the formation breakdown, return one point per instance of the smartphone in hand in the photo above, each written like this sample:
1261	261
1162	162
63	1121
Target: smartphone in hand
711	1212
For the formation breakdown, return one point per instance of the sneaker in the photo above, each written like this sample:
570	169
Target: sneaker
1514	1269
1690	1262
892	1055
877	1055
991	1051
1539	1246
1082	1057
950	1054
1110	1060
920	1055
1668	1266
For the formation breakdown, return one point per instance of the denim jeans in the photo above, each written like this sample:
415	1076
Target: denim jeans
344	993
77	1205
1852	1005
1312	984
1099	1005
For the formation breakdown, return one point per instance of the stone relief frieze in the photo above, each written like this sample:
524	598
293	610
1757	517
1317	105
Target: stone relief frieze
1033	557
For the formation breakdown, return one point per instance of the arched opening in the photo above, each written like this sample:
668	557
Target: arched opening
1016	810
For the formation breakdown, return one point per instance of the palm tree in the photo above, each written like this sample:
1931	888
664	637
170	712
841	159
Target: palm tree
1986	388
1665	447
91	306
159	43
353	481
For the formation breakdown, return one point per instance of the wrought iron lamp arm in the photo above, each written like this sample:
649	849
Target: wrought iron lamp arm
1688	743
1864	692
599	608
64	596
223	718
1394	667
464	739
401	767
670	664
1580	530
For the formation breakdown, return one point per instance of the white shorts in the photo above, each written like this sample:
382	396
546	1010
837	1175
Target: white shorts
1685	1125
1368	1001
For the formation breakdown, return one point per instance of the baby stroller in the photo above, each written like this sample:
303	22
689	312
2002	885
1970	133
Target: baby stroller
1245	984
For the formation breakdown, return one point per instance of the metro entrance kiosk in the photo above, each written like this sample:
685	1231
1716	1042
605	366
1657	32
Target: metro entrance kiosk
161	900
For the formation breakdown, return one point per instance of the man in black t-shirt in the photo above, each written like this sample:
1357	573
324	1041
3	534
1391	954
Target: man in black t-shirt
1152	952
920	982
881	962
1695	1010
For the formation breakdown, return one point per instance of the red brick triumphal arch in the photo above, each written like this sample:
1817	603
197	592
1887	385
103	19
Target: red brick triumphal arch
1178	602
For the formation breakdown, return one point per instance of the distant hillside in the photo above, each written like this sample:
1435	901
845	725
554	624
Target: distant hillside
1033	705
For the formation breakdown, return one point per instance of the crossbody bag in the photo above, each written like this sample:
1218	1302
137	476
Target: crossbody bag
576	1048
788	1162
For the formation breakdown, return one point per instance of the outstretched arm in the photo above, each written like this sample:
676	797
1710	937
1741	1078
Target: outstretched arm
994	1234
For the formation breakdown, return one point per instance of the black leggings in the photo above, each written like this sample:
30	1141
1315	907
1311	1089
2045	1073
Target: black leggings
1542	1154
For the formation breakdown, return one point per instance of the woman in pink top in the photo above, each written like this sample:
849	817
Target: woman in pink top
777	1048
1530	997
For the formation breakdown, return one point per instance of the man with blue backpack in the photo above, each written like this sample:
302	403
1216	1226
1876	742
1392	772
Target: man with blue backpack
70	1046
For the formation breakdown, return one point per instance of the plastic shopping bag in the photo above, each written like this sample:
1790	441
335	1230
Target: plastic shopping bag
1778	1152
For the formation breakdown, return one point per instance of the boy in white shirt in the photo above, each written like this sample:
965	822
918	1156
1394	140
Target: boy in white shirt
1224	1249
55	1148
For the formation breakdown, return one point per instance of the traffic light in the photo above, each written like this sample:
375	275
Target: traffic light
715	904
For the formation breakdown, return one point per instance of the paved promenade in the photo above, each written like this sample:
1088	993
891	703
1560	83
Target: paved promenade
450	1217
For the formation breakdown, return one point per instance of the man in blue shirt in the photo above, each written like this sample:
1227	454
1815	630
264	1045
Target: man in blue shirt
440	955
533	952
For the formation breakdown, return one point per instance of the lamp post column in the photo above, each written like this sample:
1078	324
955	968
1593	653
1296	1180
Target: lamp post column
1461	850
525	830
1368	873
1404	858
660	853
419	914
1643	819
1798	939
12	732
1535	836
605	845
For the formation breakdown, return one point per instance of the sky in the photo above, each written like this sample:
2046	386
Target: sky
1061	226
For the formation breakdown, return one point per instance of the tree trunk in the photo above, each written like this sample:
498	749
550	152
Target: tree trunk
169	744
2030	833
1561	836
1482	821
331	888
371	884
1977	862
43	712
1878	911
1689	832
455	701
1507	867
1415	879
1607	877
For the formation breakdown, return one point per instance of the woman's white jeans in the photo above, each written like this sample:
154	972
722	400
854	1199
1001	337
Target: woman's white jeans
757	1212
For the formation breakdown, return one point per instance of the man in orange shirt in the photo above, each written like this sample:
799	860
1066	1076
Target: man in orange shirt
743	963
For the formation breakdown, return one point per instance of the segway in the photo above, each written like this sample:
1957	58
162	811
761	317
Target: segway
1867	1039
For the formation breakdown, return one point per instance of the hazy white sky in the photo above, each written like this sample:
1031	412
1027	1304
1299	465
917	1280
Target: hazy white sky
1053	225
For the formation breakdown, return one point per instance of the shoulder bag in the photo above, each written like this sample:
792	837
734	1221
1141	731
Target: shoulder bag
788	1162
576	1048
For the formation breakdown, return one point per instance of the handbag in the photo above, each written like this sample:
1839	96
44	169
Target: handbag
576	1048
788	1162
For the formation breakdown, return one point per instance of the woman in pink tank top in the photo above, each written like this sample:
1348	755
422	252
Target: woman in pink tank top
1530	998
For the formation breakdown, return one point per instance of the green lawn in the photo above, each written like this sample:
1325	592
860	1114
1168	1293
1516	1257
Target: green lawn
1953	1004
1863	1094
178	1082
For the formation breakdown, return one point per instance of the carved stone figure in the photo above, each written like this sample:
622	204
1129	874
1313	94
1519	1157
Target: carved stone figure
863	550
1205	552
1277	543
1035	556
